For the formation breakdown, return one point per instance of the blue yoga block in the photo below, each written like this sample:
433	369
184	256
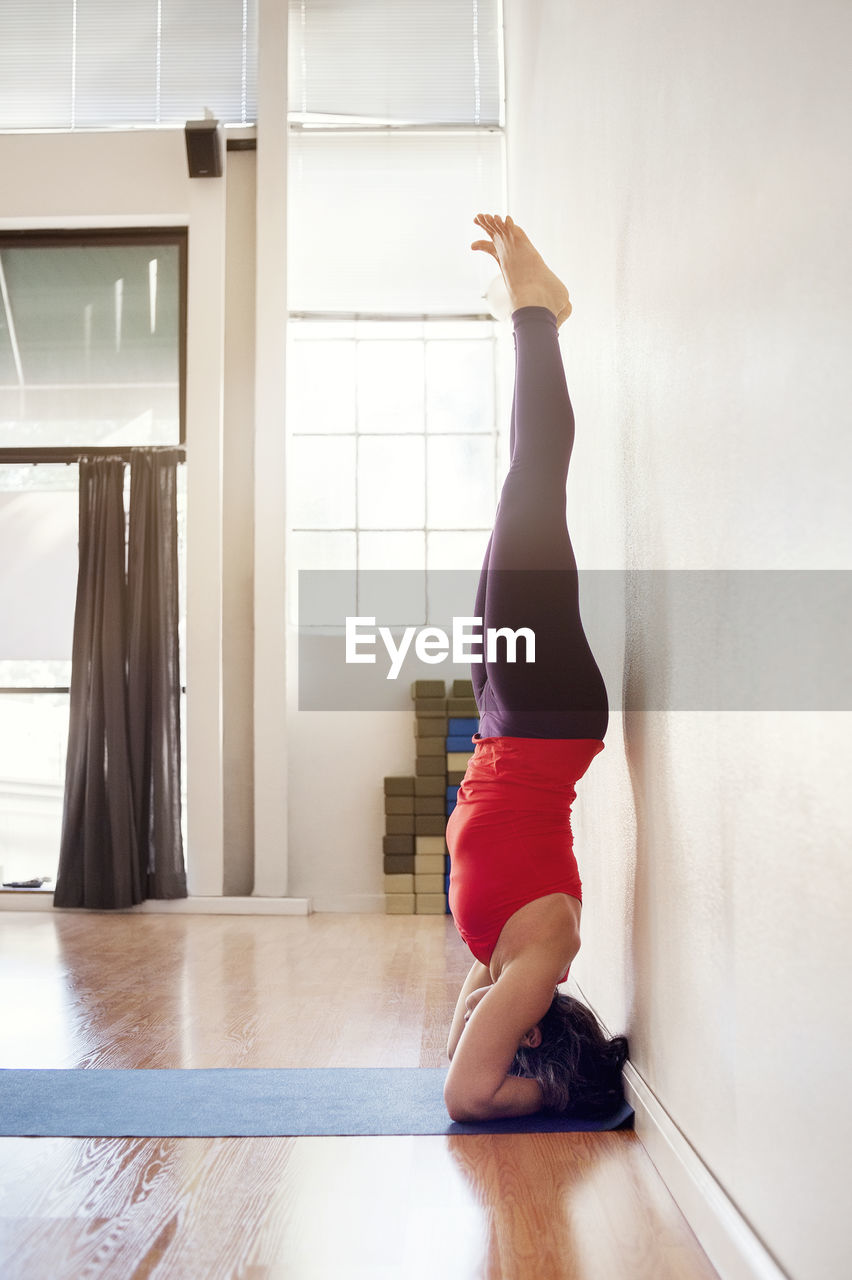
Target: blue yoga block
460	742
461	724
452	794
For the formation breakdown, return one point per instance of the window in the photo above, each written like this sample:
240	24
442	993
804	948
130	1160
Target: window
91	339
396	141
91	362
392	443
98	64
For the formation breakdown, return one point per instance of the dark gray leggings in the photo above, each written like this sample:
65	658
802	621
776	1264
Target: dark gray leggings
529	575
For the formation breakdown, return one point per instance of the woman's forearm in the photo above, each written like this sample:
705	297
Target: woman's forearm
479	976
515	1097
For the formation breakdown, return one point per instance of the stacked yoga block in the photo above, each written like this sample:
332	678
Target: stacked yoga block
417	864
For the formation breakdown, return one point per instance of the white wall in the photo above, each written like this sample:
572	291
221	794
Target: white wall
686	168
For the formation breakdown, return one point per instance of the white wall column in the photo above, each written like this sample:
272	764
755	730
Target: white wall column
205	356
270	672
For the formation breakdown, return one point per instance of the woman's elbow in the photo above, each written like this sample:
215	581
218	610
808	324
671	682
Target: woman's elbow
465	1110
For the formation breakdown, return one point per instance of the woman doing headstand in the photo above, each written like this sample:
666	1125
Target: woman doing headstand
516	1044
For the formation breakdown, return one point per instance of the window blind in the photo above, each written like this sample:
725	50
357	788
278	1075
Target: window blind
67	64
394	62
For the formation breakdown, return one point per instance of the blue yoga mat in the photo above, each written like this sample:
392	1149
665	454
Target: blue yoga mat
245	1102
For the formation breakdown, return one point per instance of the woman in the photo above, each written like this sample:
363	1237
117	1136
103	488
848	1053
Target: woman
516	1045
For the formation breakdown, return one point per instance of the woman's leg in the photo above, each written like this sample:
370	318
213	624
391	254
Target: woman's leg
530	577
478	672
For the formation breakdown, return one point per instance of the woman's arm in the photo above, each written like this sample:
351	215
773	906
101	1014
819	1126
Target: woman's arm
479	976
478	1086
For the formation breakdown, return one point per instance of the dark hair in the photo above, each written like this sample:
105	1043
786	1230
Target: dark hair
577	1065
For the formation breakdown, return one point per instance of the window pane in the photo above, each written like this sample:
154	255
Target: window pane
33	746
461	482
35	64
90	348
460	385
321	386
390	386
395	61
390	482
38	573
394	550
410	201
394	599
321	551
208	58
96	63
321	482
456	550
114	76
321	599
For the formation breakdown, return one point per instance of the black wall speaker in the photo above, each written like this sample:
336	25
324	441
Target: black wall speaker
204	148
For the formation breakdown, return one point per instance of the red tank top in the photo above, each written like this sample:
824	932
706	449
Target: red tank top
509	836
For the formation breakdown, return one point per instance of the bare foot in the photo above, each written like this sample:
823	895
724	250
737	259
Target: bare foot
529	280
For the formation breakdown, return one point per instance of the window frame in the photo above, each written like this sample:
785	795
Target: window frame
72	238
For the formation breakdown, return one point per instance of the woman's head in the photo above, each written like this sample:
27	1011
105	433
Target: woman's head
576	1064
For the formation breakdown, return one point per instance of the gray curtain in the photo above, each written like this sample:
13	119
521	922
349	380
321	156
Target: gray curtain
121	839
154	671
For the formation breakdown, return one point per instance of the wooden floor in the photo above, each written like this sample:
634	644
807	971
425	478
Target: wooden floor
103	990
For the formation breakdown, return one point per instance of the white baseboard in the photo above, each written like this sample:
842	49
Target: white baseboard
346	904
39	900
723	1233
26	899
350	903
732	1246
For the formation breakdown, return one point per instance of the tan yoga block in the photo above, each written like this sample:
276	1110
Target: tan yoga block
399	864
429	883
400	824
400	904
399	786
431	766
430	804
428	824
430	904
400	804
428	689
431	726
461	689
431	746
399	884
429	864
430	845
464	708
430	786
457	760
455	777
397	845
430	706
